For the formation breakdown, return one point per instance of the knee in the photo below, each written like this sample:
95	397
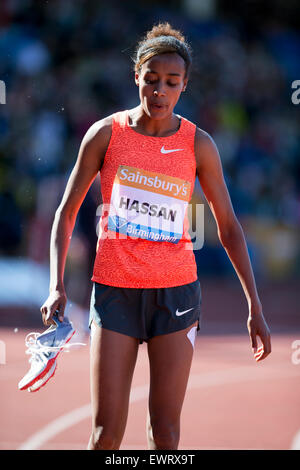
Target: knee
165	436
103	439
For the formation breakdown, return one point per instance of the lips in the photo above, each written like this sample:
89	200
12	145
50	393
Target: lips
157	105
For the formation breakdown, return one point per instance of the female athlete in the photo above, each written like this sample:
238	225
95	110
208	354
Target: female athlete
145	285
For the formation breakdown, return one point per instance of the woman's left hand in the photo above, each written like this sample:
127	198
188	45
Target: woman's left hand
258	327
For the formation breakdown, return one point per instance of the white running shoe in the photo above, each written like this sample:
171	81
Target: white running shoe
41	382
44	349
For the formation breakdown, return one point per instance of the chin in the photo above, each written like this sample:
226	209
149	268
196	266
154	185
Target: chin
157	112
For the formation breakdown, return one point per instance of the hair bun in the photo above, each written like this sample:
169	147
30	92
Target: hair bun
164	29
162	39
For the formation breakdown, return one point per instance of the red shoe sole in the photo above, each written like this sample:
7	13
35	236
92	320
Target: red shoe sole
43	384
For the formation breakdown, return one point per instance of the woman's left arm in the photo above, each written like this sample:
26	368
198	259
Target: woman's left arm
231	236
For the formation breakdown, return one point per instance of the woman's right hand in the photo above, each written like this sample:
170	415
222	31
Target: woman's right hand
55	303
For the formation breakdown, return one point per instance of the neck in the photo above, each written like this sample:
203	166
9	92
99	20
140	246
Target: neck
144	124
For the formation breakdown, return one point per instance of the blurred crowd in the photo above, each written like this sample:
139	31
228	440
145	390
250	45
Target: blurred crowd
68	63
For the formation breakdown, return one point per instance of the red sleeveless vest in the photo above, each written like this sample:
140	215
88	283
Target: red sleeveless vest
146	184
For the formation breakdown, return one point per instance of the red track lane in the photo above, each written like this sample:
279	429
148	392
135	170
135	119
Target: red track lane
232	402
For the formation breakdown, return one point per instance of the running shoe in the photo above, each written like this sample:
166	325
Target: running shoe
44	349
42	381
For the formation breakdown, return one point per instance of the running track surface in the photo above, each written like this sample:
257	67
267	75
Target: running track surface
232	402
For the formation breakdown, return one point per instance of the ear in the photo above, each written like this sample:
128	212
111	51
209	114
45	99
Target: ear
185	81
137	78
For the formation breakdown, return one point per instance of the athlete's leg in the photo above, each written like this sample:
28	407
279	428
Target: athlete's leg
112	361
170	358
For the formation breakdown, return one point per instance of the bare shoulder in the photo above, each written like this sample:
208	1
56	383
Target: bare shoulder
206	152
95	143
203	140
99	132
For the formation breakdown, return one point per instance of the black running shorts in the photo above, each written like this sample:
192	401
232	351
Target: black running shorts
145	313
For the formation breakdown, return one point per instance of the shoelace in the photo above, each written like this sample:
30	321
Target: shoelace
35	349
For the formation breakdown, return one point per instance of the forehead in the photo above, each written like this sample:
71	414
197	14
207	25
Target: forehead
168	63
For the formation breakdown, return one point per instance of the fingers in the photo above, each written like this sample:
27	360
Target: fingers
47	316
253	341
48	313
258	328
252	335
263	351
261	354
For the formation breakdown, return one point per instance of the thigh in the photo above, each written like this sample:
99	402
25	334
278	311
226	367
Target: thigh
170	358
112	361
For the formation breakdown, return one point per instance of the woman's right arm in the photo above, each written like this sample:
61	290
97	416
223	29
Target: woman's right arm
89	161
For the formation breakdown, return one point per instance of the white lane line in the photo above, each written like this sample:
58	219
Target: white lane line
210	379
296	442
68	420
55	427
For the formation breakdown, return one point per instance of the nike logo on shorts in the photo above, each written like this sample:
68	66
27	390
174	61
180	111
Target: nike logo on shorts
178	314
163	150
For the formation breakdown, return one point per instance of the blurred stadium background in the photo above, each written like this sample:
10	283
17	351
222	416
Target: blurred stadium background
66	64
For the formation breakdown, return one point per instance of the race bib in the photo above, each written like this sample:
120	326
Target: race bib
148	205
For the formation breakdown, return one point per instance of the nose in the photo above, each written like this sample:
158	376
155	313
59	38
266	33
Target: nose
159	90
